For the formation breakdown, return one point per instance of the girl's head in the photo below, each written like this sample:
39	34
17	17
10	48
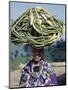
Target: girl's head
37	54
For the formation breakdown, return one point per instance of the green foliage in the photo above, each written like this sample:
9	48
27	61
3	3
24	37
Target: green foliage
56	53
14	64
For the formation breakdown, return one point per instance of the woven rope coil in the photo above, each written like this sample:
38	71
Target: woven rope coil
36	27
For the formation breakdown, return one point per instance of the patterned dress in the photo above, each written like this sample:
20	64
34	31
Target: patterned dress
37	75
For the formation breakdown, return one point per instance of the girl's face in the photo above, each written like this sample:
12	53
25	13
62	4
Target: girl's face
36	56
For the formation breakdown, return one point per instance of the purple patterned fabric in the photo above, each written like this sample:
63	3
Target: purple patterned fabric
37	75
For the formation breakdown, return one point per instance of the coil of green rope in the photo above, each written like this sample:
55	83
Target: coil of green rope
36	27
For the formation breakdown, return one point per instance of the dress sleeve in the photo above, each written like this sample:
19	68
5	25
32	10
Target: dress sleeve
52	75
24	77
51	78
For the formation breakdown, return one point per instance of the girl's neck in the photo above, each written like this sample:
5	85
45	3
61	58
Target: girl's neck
36	62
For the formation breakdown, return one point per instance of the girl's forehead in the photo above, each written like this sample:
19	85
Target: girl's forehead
36	50
37	53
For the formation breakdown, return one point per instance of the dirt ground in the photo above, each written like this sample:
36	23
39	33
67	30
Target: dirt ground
59	69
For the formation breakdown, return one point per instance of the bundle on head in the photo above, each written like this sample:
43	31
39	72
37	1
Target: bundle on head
36	27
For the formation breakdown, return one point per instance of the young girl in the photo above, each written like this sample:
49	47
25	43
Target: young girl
37	72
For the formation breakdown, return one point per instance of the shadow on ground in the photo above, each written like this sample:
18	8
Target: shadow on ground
62	79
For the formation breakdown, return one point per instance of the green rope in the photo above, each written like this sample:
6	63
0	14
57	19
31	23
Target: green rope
36	27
